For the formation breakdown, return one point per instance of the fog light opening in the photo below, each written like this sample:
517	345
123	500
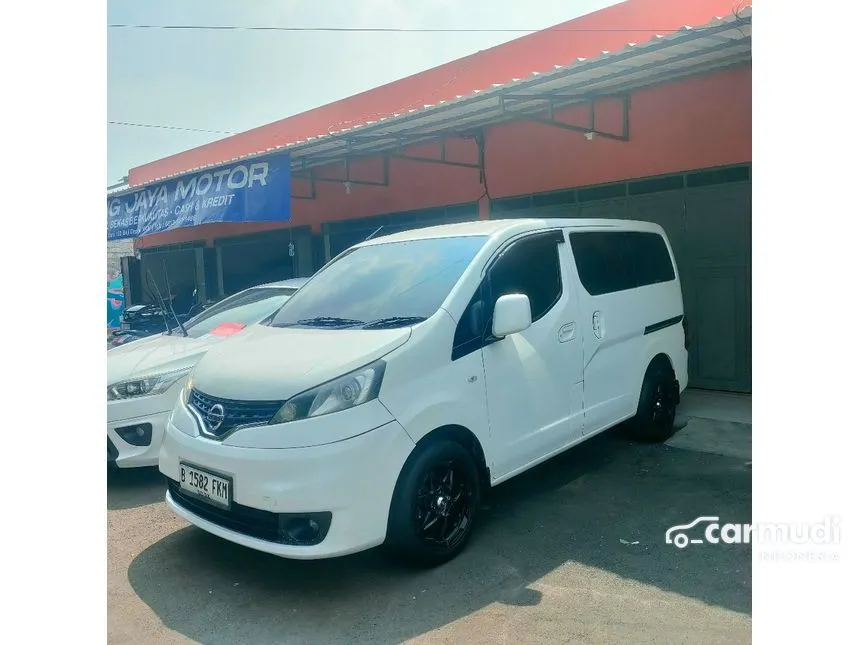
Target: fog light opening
302	531
305	530
136	435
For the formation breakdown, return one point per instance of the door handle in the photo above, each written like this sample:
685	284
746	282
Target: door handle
597	325
567	332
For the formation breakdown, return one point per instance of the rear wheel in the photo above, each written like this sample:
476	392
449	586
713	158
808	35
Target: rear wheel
658	402
434	504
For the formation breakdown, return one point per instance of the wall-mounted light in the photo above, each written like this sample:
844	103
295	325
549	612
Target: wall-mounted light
347	186
590	135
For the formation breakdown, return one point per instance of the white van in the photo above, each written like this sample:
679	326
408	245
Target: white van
417	370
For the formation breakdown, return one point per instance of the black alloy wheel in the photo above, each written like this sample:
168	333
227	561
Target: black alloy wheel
444	506
434	504
662	410
658	402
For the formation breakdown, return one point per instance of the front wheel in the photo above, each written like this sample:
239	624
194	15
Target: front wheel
434	504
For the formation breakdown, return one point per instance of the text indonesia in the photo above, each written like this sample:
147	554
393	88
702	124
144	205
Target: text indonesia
256	191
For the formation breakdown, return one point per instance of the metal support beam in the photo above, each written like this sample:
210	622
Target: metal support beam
442	159
441	162
551	104
313	194
346	179
386	145
625	117
482	177
412	137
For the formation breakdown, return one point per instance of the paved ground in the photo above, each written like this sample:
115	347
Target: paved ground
571	552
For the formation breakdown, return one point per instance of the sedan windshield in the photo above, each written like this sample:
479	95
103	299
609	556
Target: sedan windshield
245	308
391	284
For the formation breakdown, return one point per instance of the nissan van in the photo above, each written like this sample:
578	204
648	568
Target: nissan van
414	372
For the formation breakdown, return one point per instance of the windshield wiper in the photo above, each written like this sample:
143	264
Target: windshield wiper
325	321
394	321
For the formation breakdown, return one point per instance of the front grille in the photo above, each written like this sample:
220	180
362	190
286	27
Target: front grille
235	413
241	519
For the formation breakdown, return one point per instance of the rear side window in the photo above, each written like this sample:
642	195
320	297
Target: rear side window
616	261
649	258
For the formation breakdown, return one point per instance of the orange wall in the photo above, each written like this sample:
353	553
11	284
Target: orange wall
695	123
539	51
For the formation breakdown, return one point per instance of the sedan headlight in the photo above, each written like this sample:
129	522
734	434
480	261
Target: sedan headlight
342	393
145	385
185	395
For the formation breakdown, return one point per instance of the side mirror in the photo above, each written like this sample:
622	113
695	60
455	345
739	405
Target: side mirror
512	315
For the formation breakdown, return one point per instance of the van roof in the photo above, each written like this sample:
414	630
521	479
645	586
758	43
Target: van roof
505	227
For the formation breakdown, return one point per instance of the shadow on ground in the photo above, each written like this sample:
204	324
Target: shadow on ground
133	487
575	508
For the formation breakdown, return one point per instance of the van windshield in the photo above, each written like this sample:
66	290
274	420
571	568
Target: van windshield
392	284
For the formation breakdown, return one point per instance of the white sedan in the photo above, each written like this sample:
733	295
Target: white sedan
145	376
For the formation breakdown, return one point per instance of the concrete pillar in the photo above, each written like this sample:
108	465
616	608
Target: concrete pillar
219	271
484	208
200	275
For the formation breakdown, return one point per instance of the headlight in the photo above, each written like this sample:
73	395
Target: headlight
342	393
144	386
185	395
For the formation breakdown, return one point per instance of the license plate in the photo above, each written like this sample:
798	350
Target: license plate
212	488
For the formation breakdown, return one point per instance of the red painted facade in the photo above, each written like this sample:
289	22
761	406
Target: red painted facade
695	123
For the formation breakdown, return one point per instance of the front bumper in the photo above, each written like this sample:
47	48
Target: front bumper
352	479
143	410
112	454
128	455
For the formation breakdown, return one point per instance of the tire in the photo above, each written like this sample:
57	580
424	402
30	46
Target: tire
447	517
658	402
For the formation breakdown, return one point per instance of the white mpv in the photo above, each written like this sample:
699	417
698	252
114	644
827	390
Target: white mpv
415	371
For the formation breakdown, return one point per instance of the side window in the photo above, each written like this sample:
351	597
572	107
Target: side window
530	266
601	261
616	261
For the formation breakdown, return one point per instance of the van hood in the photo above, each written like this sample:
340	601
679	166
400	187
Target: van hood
275	363
155	355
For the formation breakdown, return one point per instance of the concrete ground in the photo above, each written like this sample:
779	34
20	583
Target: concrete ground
715	422
571	552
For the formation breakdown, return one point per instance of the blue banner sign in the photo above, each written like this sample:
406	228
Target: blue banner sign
255	190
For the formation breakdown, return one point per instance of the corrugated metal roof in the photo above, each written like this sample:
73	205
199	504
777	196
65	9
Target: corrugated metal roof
118	187
723	42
